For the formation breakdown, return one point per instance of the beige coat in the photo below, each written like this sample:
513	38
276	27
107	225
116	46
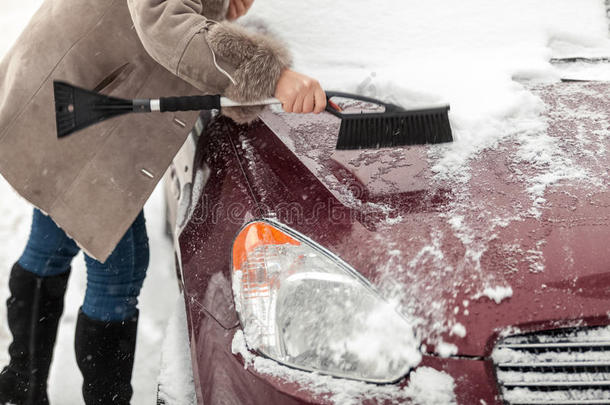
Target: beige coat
95	182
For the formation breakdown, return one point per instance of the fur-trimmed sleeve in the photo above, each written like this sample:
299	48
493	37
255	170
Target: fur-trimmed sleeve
218	57
257	60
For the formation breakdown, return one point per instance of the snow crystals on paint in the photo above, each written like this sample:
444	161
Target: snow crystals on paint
496	294
445	349
458	330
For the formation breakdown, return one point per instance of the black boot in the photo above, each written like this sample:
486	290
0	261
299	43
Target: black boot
34	309
105	354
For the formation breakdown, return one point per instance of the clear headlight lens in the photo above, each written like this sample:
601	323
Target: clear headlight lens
302	306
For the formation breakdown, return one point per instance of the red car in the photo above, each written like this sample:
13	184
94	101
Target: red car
316	276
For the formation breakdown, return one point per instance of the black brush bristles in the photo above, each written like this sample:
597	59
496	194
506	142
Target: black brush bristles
383	130
77	108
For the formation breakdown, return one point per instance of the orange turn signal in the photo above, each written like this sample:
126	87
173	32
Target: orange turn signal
254	235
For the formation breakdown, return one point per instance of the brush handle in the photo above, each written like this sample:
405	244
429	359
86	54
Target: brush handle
189	103
193	103
330	108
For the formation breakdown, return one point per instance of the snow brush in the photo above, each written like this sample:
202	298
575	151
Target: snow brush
77	108
394	126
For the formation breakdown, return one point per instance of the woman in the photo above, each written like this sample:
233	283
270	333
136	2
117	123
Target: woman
94	184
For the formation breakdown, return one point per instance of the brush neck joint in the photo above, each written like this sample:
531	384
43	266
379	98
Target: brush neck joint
142	105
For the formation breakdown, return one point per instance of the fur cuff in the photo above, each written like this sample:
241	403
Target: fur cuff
257	59
215	9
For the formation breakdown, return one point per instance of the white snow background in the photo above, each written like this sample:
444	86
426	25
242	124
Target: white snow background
468	53
158	296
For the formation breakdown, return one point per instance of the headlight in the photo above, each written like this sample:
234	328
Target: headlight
302	306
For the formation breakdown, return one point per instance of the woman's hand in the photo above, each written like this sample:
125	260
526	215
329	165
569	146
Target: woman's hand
299	93
238	8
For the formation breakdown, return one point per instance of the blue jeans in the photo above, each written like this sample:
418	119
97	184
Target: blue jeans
112	287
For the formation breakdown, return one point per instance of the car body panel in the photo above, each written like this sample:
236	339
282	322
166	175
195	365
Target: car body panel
387	216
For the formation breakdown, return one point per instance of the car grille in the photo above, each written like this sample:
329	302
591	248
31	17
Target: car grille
566	366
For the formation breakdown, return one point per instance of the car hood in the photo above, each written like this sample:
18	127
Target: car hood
516	241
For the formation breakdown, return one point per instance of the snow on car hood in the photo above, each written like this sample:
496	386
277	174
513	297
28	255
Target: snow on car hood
416	53
517	239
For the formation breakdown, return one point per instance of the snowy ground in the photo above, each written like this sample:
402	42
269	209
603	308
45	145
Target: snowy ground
157	301
158	297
